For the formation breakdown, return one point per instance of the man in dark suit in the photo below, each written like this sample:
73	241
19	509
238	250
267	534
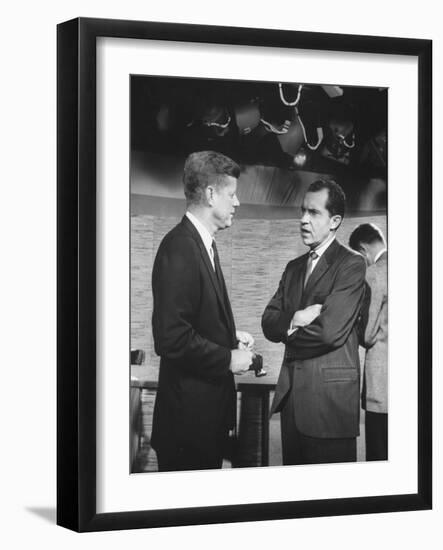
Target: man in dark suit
314	313
193	326
369	241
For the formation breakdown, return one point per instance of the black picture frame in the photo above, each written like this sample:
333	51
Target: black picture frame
76	278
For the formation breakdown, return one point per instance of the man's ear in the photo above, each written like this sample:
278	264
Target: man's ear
209	193
366	253
336	221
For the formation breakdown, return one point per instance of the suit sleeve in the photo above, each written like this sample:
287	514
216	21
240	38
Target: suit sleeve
275	320
339	313
176	291
378	298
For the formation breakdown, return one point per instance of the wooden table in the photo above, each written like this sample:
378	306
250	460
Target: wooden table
252	431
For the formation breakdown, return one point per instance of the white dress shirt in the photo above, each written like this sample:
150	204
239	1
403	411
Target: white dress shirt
205	236
377	256
320	250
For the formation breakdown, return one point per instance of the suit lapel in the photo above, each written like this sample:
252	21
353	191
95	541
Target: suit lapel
211	273
227	304
324	263
298	279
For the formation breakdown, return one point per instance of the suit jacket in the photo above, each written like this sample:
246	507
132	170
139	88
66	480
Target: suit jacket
194	332
320	370
375	389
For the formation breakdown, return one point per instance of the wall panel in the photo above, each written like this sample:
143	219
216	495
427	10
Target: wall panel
253	254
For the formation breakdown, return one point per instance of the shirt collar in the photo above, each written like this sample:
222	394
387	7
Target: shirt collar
202	231
377	256
320	250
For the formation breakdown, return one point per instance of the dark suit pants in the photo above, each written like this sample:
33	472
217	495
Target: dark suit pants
183	460
298	448
188	457
376	427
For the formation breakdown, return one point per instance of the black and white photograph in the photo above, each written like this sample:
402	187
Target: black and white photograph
227	199
258	274
208	209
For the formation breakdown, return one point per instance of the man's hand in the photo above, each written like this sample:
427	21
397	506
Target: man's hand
305	316
241	359
245	339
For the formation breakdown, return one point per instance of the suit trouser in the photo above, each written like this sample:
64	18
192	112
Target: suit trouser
183	460
298	448
187	457
376	428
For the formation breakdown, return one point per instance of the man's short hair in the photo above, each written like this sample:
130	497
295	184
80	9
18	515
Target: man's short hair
205	168
366	233
336	202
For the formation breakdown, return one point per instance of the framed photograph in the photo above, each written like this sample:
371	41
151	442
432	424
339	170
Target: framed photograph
260	377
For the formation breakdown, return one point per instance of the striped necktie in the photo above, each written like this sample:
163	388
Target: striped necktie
309	266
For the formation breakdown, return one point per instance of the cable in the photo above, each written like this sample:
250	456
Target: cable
319	134
284	100
270	128
345	143
218	125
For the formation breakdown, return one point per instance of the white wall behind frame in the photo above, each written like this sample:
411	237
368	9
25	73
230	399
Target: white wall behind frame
27	227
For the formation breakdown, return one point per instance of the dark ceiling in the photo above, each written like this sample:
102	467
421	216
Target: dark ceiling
330	129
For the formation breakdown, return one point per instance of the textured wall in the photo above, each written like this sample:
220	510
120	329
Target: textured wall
253	254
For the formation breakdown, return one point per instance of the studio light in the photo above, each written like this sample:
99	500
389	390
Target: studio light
300	158
339	141
247	116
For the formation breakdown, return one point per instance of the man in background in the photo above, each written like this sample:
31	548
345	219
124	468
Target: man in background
369	241
193	326
314	313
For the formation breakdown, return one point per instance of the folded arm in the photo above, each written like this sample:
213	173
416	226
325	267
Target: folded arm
339	313
275	319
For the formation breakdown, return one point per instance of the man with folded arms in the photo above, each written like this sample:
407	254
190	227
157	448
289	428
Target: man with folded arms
314	313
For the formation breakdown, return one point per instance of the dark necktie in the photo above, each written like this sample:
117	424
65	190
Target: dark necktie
218	271
312	256
222	287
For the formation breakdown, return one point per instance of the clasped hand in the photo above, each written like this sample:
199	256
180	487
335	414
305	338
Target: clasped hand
245	339
241	358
